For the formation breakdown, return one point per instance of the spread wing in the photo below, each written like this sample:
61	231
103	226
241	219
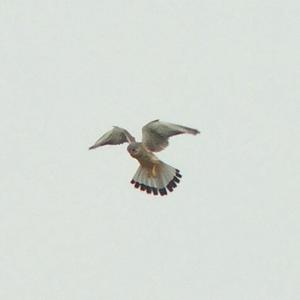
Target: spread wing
157	133
115	136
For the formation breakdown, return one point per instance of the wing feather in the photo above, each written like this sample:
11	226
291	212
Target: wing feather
116	136
156	134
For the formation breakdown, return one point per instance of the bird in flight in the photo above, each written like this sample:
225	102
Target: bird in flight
153	176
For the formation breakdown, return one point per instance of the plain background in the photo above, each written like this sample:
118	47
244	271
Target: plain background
71	225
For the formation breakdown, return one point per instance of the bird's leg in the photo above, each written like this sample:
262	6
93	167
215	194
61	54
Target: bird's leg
153	171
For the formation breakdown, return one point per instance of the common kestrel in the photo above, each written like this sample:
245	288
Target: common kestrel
153	175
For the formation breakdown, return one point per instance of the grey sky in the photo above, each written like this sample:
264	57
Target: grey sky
72	226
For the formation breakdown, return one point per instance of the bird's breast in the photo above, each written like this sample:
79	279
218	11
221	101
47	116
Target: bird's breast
147	159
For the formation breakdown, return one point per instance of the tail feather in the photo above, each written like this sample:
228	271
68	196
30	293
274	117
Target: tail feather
160	180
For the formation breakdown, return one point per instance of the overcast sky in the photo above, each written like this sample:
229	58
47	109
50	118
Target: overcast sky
72	226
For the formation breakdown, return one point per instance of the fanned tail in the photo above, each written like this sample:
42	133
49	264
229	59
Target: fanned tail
156	179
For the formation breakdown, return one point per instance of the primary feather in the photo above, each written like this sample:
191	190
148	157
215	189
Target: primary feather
156	134
116	136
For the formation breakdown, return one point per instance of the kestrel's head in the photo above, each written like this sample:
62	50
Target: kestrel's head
134	149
